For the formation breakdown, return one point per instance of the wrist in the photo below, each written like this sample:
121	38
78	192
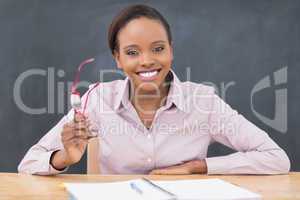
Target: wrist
59	160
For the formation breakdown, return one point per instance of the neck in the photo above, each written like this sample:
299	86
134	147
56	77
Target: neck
149	101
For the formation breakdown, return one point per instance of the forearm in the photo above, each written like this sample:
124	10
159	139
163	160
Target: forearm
37	158
256	153
37	161
252	162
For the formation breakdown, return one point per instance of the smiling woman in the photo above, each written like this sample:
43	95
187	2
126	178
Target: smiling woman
151	122
145	53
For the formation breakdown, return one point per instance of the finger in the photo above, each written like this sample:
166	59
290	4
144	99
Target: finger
82	133
79	117
92	131
169	171
71	131
68	132
88	125
176	171
74	126
68	136
91	136
81	120
71	139
157	172
80	126
152	173
78	141
67	125
75	140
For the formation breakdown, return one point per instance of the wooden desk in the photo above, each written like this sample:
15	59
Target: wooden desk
17	186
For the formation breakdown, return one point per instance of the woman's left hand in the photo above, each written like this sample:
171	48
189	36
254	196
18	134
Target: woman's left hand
191	167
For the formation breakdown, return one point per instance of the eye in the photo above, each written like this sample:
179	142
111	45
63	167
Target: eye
132	52
158	49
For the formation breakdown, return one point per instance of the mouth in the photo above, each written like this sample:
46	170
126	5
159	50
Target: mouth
148	75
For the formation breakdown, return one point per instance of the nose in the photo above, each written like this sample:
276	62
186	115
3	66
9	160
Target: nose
146	60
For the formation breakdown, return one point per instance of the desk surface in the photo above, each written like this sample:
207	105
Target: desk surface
19	186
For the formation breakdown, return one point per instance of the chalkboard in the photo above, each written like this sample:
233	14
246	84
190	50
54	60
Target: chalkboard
249	50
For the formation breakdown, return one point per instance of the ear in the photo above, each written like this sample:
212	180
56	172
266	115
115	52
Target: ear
117	59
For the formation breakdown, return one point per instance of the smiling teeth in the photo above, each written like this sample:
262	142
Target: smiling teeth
148	74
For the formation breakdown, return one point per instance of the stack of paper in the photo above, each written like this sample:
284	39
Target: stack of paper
182	189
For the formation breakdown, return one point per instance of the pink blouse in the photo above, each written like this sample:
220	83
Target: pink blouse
192	118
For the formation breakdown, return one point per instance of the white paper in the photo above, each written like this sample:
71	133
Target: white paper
183	189
207	189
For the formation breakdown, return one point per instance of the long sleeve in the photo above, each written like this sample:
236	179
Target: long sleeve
256	152
36	160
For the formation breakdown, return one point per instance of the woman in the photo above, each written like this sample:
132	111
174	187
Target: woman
151	122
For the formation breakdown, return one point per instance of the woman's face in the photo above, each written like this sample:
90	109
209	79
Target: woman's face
145	54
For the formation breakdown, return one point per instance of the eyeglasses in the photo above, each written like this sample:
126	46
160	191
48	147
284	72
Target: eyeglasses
75	94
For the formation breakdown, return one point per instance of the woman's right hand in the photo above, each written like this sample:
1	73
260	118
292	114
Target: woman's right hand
74	136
